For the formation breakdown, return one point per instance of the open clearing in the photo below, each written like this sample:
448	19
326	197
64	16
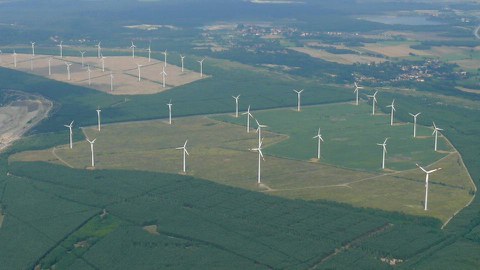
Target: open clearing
394	50
338	58
349	172
22	112
123	68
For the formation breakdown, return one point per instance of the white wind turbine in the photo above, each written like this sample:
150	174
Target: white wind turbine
98	118
31	63
89	71
1	53
33	48
102	58
99	49
164	75
50	66
320	140
185	152
384	145
71	133
298	98
236	105
165	58
82	53
427	174
169	104
91	149
374	100
149	50
68	69
435	132
260	157
201	67
182	57
259	131
111	81
14	58
139	72
248	118
392	111
414	123
133	50
357	90
61	48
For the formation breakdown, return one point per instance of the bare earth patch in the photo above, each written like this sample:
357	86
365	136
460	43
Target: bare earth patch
338	58
123	68
20	115
468	90
401	50
151	229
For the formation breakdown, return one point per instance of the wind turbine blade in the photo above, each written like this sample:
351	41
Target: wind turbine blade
185	149
185	145
421	168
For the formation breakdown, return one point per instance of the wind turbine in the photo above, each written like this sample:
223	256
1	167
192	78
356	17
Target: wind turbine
184	148
236	105
427	174
68	69
111	81
164	74
384	145
320	140
392	111
71	133
248	118
435	132
201	67
169	104
1	53
260	157
149	50
102	58
165	61
50	66
14	58
259	131
298	98
133	50
89	75
98	118
414	123
181	58
61	49
91	149
31	63
33	48
82	53
374	100
357	90
99	49
139	72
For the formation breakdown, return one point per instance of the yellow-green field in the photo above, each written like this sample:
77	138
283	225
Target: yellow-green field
219	151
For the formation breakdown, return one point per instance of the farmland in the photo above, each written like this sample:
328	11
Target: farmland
219	152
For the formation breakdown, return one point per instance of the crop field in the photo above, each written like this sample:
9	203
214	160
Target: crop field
123	68
338	58
392	49
219	151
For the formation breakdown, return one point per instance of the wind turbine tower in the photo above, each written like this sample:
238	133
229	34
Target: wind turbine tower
427	174
185	152
111	81
435	132
139	72
82	53
357	90
89	71
392	111
98	118
99	49
102	58
260	157
236	105
248	118
384	145
50	66
61	48
149	50
299	93
164	75
14	58
68	70
320	140
201	67
165	58
414	123
169	104
71	133
259	131
33	48
91	149
374	100
133	50
182	57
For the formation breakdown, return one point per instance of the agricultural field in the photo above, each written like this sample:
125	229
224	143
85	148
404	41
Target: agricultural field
123	68
394	49
219	151
347	59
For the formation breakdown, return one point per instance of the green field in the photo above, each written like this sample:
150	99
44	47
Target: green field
219	151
